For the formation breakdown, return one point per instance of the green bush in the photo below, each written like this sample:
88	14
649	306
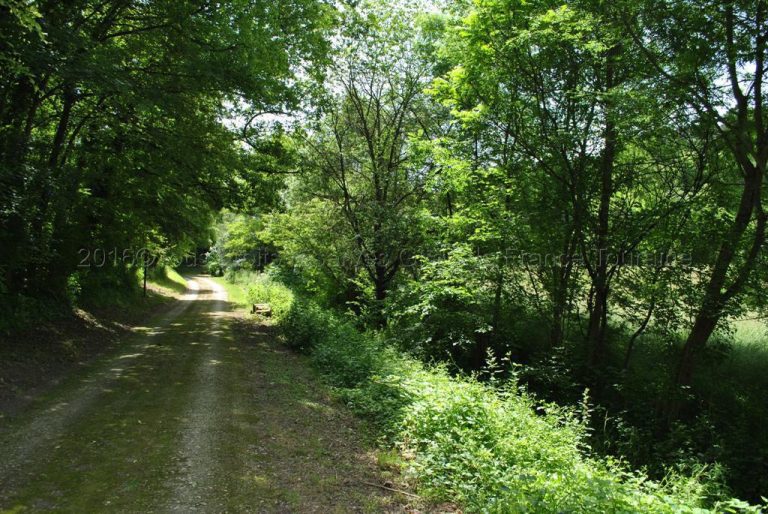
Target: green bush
263	289
350	358
214	269
231	276
257	287
488	449
300	324
109	286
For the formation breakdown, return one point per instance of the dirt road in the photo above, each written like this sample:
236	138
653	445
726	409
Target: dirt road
200	411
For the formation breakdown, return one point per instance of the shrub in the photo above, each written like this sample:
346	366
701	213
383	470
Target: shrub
263	289
256	287
300	325
345	355
491	450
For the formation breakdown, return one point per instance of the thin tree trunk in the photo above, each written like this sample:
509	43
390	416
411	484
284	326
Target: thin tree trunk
560	293
598	316
46	277
637	333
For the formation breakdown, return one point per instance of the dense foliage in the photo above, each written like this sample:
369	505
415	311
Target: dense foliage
575	189
116	147
487	446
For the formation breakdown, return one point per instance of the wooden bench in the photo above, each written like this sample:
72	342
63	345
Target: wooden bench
262	309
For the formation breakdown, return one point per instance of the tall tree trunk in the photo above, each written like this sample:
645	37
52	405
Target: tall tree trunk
48	277
718	292
703	327
597	324
747	139
497	297
380	283
598	315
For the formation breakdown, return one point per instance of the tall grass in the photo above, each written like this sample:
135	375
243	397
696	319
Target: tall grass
722	425
265	290
733	388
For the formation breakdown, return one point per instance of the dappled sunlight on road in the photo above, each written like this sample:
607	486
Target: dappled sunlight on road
196	412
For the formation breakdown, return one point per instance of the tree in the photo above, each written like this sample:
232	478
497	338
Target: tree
111	122
712	57
556	90
359	157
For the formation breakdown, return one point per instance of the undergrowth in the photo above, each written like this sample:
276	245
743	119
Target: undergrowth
252	287
488	447
90	289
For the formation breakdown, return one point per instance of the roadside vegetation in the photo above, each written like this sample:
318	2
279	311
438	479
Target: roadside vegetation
488	445
553	197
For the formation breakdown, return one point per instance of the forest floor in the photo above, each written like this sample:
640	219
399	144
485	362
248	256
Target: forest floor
199	410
